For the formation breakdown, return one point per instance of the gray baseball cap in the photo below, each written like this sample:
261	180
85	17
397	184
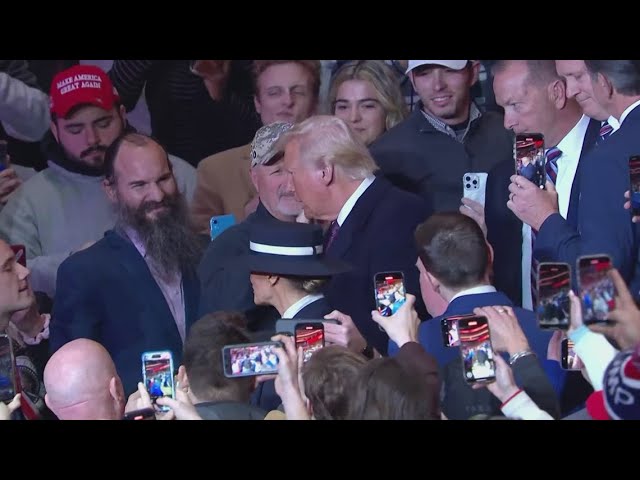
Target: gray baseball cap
262	146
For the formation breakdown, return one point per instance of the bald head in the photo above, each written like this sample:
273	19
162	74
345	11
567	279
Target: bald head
82	383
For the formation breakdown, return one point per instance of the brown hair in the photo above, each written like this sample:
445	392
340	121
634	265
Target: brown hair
312	67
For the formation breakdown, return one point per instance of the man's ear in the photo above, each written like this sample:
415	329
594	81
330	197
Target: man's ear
110	189
117	391
557	93
435	284
606	84
273	279
326	174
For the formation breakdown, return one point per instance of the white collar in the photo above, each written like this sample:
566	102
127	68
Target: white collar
572	142
293	310
628	111
613	121
474	291
351	202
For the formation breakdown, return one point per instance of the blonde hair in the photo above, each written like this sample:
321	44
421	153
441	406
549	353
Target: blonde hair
310	286
383	81
328	140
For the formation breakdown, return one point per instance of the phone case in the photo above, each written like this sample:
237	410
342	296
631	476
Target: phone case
288	325
220	223
160	384
474	186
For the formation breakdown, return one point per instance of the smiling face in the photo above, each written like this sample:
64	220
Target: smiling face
445	93
580	87
357	103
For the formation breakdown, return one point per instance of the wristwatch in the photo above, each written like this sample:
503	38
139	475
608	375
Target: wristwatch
368	352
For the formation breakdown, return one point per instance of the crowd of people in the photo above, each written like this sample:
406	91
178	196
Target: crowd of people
332	177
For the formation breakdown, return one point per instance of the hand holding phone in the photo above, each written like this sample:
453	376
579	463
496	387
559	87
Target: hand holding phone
530	158
390	292
478	358
157	374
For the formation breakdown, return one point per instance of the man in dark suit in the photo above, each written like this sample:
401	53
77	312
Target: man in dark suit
135	290
522	88
224	279
454	263
372	222
604	177
447	136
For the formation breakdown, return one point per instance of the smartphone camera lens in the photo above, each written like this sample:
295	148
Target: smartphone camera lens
467	178
468	185
475	182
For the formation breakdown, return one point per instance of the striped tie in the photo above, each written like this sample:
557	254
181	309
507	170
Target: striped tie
551	168
330	235
551	163
605	131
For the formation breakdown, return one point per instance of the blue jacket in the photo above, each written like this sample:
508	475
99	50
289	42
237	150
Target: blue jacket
106	293
430	333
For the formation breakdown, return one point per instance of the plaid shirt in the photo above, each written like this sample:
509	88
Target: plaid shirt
474	114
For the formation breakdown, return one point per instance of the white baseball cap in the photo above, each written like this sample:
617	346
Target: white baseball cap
452	64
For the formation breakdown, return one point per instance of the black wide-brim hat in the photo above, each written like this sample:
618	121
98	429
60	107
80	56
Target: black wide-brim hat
290	249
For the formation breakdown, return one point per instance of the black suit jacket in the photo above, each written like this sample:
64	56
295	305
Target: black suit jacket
416	157
504	229
377	236
315	311
107	293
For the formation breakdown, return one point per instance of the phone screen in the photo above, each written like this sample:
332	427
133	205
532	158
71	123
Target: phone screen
554	284
250	359
529	152
596	288
477	352
450	335
309	336
390	292
158	375
634	177
570	360
7	370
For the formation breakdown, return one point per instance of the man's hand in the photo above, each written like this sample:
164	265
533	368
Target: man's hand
531	204
138	400
402	326
181	407
7	410
505	385
506	334
474	210
345	334
626	329
215	74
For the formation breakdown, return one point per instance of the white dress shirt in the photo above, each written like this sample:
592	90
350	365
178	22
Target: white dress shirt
351	202
571	148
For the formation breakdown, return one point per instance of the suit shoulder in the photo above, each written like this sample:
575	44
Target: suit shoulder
90	258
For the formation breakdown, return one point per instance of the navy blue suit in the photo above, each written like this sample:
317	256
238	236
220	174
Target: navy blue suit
107	293
504	229
604	226
377	236
430	334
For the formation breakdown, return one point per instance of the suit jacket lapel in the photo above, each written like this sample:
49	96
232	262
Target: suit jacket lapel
357	218
142	280
589	142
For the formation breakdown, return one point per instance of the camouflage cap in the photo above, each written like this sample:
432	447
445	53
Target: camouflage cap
262	146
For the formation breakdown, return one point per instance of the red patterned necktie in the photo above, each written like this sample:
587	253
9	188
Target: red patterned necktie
605	131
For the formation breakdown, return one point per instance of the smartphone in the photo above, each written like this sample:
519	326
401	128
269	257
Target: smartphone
478	364
250	359
20	252
143	414
474	186
288	325
309	336
554	284
529	154
449	326
157	374
4	159
390	292
634	180
8	387
220	223
570	360
597	291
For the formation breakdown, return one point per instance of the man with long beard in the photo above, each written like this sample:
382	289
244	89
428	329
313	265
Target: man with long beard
136	290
